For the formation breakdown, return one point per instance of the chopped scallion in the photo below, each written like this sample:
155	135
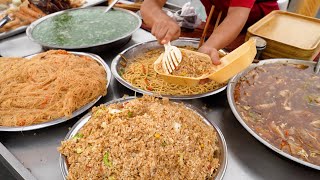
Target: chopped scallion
78	136
130	114
106	160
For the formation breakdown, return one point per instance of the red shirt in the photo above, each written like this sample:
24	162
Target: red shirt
258	9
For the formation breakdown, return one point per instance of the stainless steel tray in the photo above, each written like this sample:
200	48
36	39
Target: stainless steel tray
21	29
13	32
75	113
85	119
230	94
137	49
96	47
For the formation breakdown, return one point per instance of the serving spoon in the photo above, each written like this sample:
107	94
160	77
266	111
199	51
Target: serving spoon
111	5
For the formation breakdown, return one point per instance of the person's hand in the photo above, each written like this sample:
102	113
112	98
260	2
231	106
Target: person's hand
165	30
212	52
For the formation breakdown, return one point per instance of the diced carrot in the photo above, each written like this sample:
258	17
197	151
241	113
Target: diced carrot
286	132
143	69
45	101
157	135
146	81
123	64
283	143
22	122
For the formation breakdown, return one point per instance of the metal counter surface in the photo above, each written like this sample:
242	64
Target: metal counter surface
247	157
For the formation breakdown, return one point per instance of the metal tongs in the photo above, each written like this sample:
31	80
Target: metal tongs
4	20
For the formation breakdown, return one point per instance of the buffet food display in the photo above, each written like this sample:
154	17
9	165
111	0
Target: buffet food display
156	136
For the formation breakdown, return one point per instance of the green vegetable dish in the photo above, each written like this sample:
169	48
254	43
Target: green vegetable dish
84	27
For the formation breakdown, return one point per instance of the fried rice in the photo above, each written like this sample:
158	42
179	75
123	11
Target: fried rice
144	138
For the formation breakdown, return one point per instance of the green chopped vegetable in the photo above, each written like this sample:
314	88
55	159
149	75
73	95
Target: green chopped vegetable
246	107
309	99
98	112
164	143
78	136
106	160
121	71
254	116
130	114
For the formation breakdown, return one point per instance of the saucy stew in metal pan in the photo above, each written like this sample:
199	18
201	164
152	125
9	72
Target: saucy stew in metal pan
281	103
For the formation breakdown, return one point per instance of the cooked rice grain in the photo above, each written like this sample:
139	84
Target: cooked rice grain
145	138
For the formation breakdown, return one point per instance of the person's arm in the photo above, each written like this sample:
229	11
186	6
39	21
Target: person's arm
226	32
162	26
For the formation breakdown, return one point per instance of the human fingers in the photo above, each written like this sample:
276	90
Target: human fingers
154	28
161	32
204	50
204	81
173	33
214	55
160	29
167	38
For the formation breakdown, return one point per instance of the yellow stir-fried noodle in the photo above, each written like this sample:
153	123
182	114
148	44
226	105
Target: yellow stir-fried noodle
145	138
48	86
140	73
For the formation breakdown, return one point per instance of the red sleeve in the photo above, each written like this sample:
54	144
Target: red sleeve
242	3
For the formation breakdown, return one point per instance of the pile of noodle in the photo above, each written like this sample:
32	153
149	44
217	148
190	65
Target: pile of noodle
48	86
140	73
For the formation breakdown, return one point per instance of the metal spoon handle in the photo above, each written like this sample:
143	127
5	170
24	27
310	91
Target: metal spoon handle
111	5
4	21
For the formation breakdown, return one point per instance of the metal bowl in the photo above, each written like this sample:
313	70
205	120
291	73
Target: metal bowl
117	42
137	49
222	143
230	94
75	113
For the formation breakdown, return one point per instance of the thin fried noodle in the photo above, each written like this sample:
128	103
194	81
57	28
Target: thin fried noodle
48	86
140	73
